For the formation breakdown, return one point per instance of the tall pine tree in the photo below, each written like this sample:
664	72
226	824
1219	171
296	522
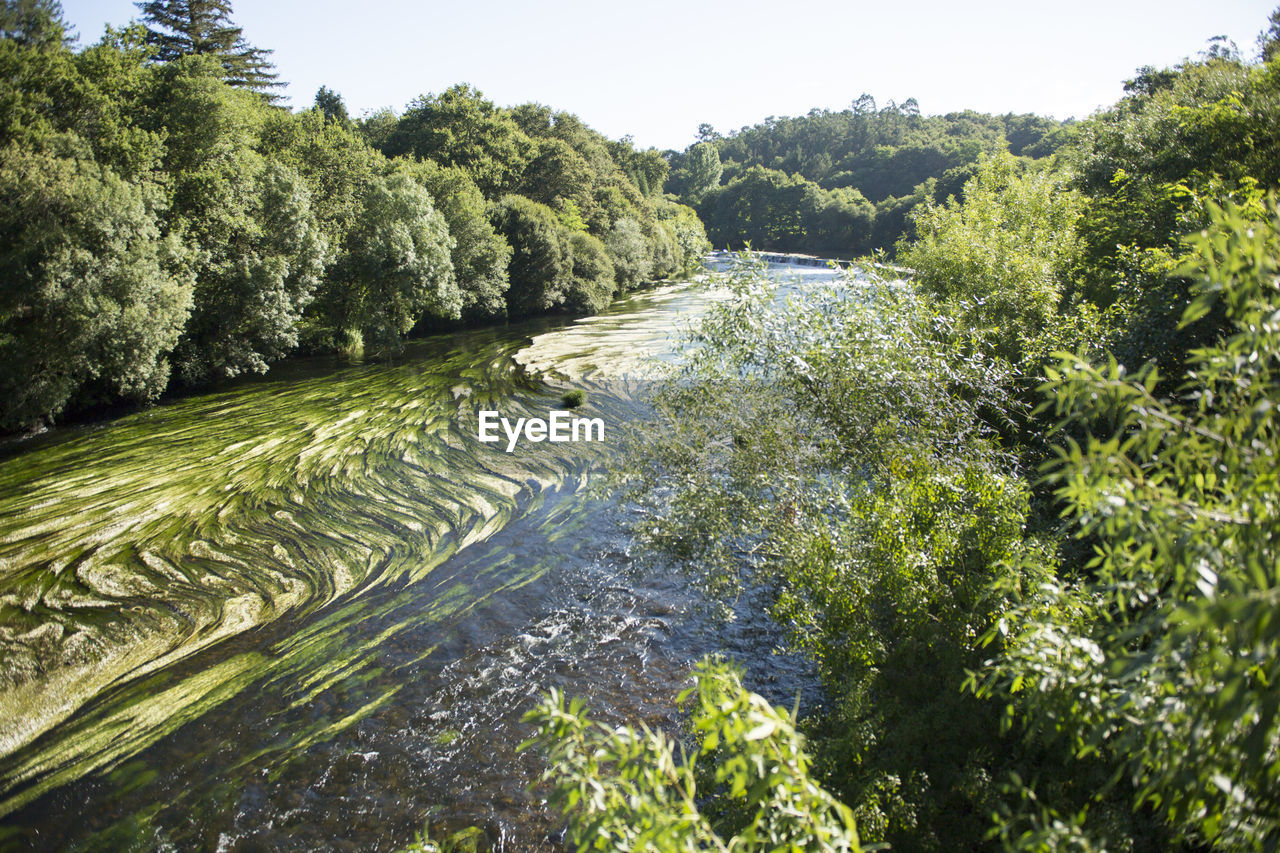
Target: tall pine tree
182	27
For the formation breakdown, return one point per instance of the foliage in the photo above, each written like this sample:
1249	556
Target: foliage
273	206
593	274
1180	138
1162	659
460	127
773	211
33	23
559	175
94	298
629	250
835	447
696	172
627	790
480	255
331	106
688	235
842	182
261	260
542	259
1002	259
179	28
396	268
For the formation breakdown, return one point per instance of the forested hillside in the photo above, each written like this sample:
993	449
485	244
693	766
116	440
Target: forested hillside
843	183
166	224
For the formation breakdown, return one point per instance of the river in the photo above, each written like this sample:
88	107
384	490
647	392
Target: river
308	610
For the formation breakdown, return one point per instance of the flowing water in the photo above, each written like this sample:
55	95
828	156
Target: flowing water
308	611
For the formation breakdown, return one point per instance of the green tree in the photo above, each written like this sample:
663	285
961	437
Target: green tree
260	252
1163	659
558	174
699	172
632	261
542	257
94	297
1179	139
1001	259
180	28
262	256
460	127
331	105
396	268
688	233
34	23
593	274
480	254
1269	39
833	449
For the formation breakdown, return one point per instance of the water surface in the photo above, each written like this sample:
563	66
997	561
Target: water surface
307	611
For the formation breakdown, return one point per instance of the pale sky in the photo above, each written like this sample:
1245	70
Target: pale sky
656	69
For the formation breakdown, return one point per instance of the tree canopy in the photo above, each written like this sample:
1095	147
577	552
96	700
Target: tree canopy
180	28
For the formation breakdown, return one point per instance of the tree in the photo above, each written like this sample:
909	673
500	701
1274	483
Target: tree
700	171
1001	260
688	233
34	23
593	274
630	252
1269	39
262	258
203	27
1180	138
94	297
557	173
830	448
480	254
542	260
331	105
396	269
460	127
260	250
1163	658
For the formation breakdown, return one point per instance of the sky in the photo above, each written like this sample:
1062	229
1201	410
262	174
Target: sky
655	70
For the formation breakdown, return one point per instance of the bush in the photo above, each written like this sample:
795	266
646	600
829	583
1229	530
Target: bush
1002	259
837	449
627	790
1163	661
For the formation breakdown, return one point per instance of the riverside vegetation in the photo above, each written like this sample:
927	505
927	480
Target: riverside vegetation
166	225
1022	508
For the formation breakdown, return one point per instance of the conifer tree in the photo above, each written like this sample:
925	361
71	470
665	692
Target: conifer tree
183	27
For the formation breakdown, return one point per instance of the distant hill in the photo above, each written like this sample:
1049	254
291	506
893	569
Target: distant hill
843	182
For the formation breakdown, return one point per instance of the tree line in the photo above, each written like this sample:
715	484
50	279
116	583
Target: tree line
167	224
843	183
